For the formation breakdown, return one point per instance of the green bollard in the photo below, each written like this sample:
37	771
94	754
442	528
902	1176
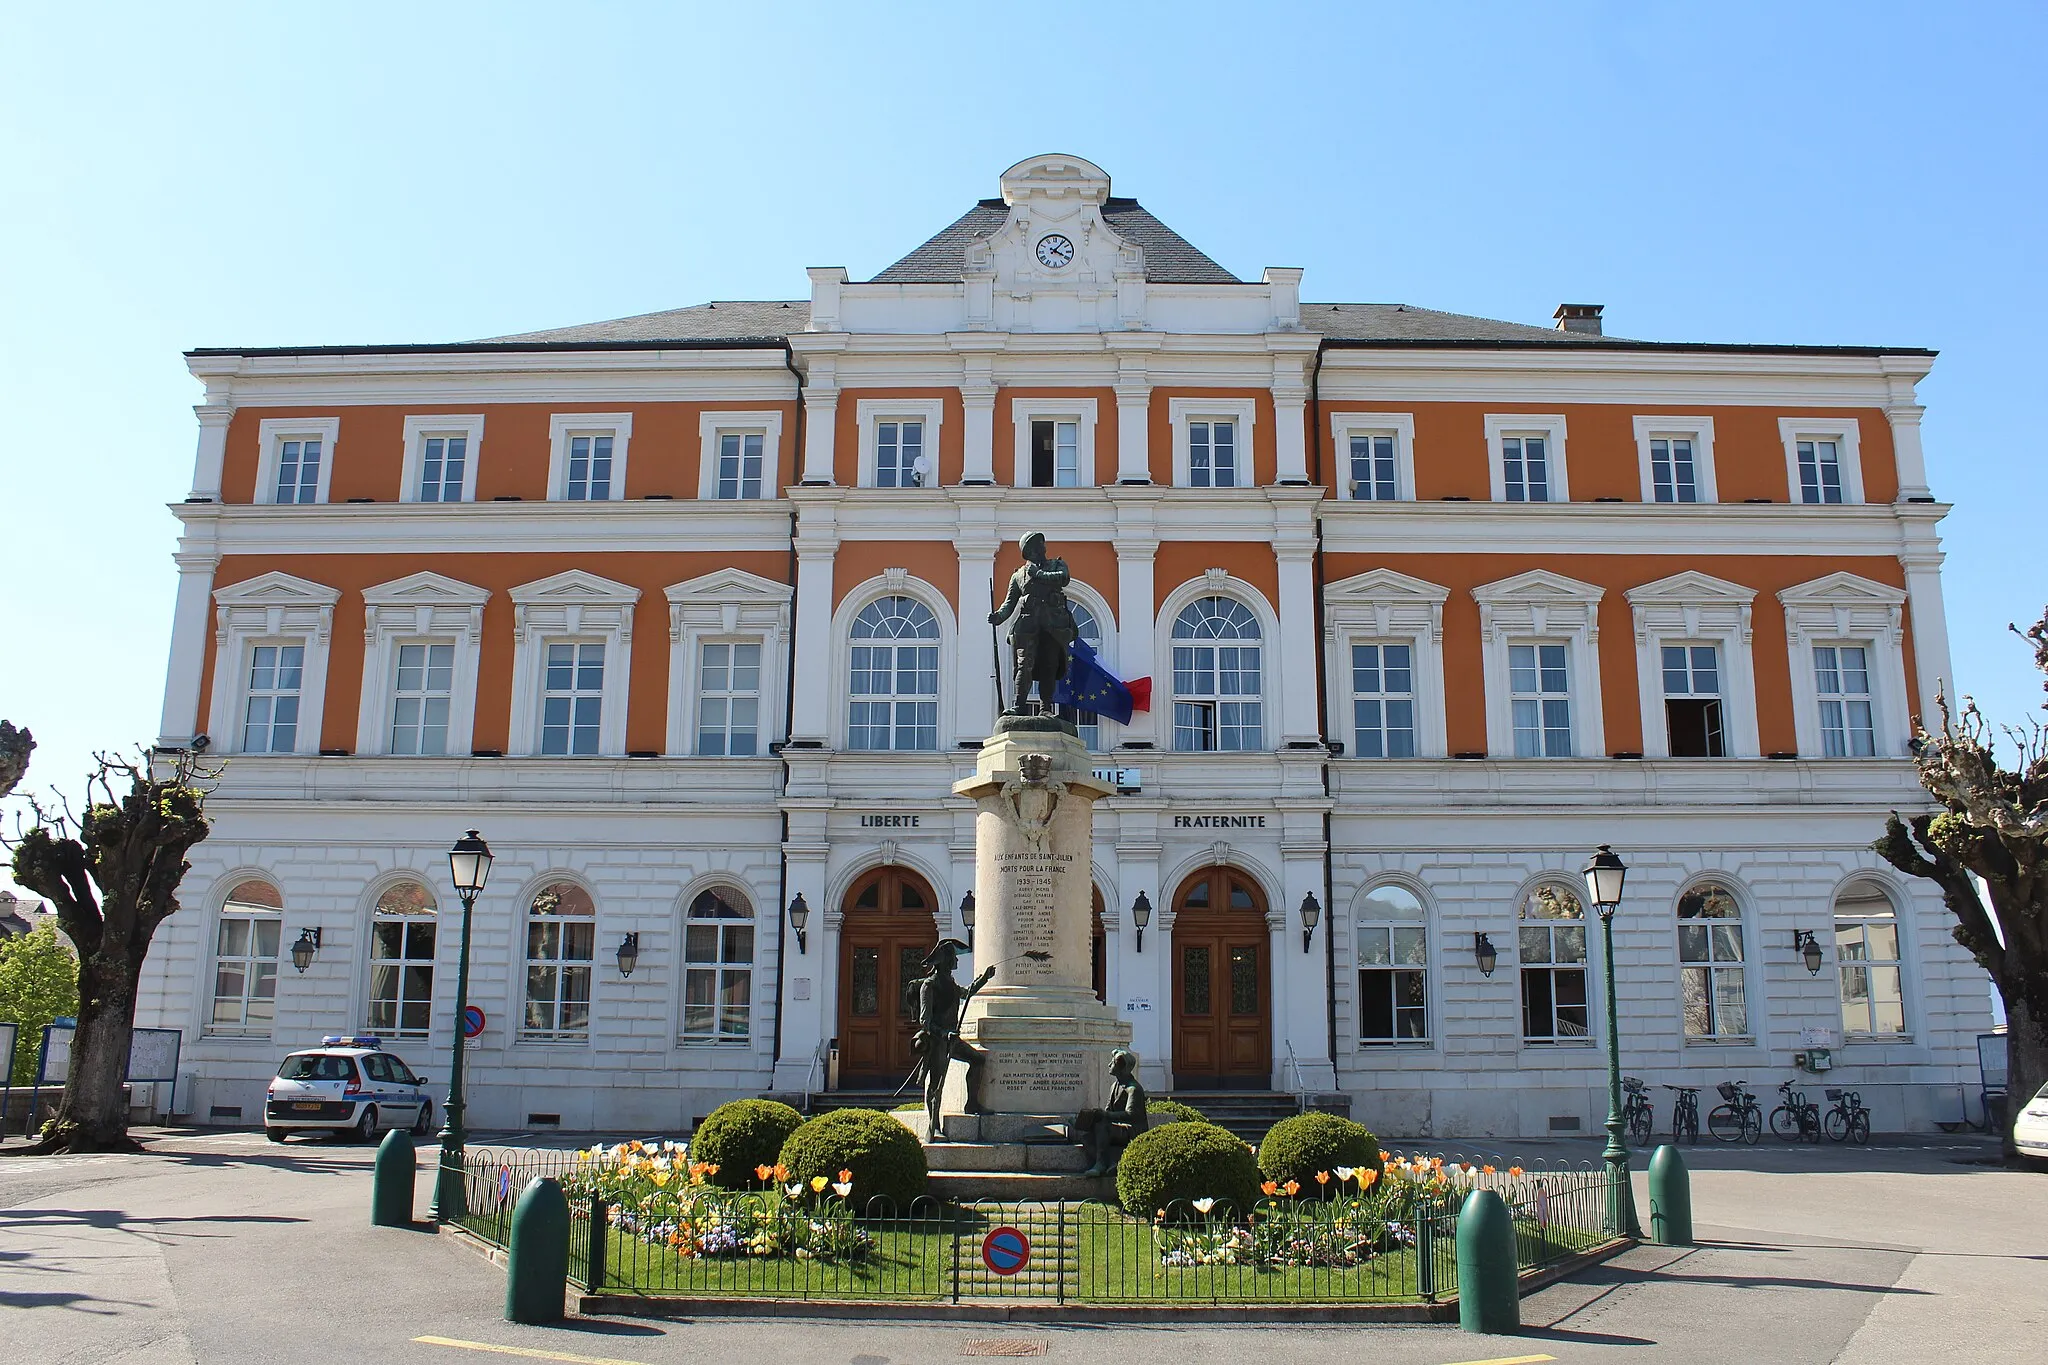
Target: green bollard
1489	1284
1670	1198
537	1257
391	1181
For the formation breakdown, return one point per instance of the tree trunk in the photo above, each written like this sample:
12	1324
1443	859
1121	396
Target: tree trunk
93	1116
2026	1042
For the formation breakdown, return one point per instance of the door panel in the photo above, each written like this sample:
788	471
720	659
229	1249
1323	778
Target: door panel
887	930
1222	1025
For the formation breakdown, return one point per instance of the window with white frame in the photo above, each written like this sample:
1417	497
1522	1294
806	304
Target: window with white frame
1382	700
1676	457
1054	442
1212	441
1393	967
420	697
589	474
729	698
1055	453
1693	721
1539	683
245	960
572	698
1212	454
899	453
402	961
1372	467
270	705
1378	450
1841	682
899	442
895	677
1867	961
1218	690
740	464
441	454
295	458
1713	1002
718	968
1527	457
738	454
298	469
1823	461
1673	477
587	455
561	944
1552	946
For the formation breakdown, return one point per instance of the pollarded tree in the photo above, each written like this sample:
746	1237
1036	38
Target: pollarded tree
1993	824
14	750
113	877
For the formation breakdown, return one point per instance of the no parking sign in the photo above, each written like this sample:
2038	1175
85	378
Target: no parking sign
1005	1251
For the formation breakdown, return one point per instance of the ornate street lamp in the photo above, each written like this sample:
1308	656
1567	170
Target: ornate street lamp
1605	874
967	918
799	916
629	954
1484	953
469	867
1141	915
303	950
1311	913
1802	942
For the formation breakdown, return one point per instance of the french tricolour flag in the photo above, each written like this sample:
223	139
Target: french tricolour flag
1089	686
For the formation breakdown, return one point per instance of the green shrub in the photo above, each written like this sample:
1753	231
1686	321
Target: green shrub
884	1156
1175	1112
740	1136
1296	1148
1183	1162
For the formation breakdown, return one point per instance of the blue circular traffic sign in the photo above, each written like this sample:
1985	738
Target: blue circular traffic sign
1006	1251
472	1021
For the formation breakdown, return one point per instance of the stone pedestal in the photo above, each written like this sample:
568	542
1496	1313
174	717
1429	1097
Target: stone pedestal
1047	1037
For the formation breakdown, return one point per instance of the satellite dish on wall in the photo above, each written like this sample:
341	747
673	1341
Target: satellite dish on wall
921	470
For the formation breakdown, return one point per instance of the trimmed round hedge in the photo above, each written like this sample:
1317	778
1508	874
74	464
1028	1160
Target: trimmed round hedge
740	1136
1175	1112
1182	1162
1296	1148
883	1155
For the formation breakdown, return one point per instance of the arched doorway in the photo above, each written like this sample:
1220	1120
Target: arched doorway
887	930
1222	1010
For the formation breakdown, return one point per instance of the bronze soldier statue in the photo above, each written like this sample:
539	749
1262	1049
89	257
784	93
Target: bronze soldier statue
940	1002
1044	626
1104	1132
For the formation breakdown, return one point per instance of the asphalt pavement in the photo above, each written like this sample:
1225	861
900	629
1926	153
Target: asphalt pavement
221	1247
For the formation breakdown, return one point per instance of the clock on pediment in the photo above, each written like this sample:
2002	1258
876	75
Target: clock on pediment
1055	251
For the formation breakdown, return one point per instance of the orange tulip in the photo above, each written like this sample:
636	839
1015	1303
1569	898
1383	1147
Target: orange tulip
1270	1187
1367	1178
781	1172
1292	1187
763	1172
846	1175
1322	1177
1514	1170
1487	1169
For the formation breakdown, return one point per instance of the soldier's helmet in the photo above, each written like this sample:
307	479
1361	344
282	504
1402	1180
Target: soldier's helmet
1024	544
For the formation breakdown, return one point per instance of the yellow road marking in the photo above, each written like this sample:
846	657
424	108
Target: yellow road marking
532	1354
1505	1360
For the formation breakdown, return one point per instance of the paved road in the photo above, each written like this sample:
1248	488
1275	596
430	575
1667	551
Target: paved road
218	1247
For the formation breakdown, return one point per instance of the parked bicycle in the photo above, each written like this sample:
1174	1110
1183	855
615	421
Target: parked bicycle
1798	1118
1848	1120
1685	1114
1738	1120
1635	1113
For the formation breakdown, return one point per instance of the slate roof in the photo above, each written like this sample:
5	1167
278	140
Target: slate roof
1169	257
726	320
1406	322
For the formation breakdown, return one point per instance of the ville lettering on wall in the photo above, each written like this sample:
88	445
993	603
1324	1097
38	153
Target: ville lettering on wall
1219	822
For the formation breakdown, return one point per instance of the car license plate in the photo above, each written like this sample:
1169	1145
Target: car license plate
307	1106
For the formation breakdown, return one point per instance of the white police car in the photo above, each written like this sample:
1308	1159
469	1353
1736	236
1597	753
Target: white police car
346	1085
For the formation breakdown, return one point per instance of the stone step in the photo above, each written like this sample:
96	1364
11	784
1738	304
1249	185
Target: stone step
1049	1157
1005	1129
1018	1186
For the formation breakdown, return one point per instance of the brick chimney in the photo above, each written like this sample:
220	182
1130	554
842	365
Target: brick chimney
1579	317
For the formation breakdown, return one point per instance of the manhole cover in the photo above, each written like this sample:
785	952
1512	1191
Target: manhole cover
1005	1346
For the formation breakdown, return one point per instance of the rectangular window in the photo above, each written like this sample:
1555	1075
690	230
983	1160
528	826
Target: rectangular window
572	699
1672	474
1868	953
441	465
739	464
718	981
590	468
1212	454
270	720
1372	468
1692	701
1841	678
1554	983
1540	688
1218	699
1525	468
1820	471
1393	996
245	972
1383	700
559	951
419	701
298	470
899	446
402	975
894	697
1055	454
729	700
1712	998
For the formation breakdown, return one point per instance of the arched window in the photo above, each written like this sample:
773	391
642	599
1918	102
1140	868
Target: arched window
1867	957
1710	963
561	941
1393	967
402	961
895	683
245	959
1217	688
718	968
1087	722
1552	945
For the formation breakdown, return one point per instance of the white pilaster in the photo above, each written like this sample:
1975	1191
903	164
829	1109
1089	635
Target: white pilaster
806	972
1143	971
213	446
978	404
817	541
1933	671
975	540
1290	402
1904	413
1301	981
1137	547
821	414
1298	720
189	640
1133	406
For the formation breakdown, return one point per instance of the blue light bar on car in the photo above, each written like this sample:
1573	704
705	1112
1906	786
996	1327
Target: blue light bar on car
352	1040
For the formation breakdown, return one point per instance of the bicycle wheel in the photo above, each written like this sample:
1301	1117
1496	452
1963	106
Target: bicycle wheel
1785	1123
1859	1127
1639	1125
1752	1125
1836	1125
1725	1123
1685	1126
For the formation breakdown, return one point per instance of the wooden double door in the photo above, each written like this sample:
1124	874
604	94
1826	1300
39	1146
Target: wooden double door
887	930
1222	984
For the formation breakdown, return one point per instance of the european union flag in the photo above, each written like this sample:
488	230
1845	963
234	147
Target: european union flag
1089	686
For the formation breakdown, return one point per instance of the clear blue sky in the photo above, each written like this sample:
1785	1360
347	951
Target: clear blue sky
176	177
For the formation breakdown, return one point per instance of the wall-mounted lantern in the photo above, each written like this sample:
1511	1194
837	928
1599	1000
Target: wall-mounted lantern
1808	949
1311	913
799	916
305	948
1484	954
629	954
1141	915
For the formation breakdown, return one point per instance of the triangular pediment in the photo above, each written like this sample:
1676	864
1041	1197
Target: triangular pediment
429	589
1842	589
729	585
574	585
1690	586
1379	585
277	589
1538	585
